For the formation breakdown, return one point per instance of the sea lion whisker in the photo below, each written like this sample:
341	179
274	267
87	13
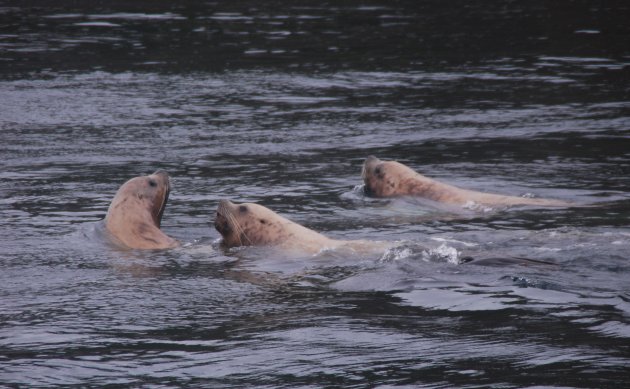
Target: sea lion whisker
234	224
160	213
239	230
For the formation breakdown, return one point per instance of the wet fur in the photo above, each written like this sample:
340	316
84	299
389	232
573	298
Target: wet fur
391	179
135	213
250	224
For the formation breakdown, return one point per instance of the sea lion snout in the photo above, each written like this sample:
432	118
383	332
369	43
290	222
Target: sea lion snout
224	206
371	159
370	174
160	177
221	222
368	165
160	172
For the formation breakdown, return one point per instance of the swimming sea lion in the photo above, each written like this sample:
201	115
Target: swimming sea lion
250	224
135	213
391	179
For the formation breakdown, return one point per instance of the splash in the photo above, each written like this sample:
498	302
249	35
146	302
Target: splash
473	206
443	253
396	254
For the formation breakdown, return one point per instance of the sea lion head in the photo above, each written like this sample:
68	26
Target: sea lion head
385	178
145	194
135	214
249	224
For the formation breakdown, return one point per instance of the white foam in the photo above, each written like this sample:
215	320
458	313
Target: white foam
396	253
473	206
444	252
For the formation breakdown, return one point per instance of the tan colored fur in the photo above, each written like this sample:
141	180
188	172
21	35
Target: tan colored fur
250	224
135	213
391	178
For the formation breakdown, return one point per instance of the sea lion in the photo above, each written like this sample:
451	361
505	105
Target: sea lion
391	179
250	224
135	213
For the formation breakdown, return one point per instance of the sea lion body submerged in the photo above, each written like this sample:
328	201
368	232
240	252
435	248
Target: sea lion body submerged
251	224
135	214
391	179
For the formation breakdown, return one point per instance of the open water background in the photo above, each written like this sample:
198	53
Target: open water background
279	103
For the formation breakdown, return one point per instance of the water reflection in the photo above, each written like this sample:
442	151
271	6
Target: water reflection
280	104
165	36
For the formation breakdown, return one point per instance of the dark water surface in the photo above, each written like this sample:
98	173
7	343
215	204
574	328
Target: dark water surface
279	103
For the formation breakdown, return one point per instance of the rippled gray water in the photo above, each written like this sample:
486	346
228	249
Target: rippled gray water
279	104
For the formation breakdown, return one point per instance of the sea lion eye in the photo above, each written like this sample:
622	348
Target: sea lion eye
152	183
242	208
